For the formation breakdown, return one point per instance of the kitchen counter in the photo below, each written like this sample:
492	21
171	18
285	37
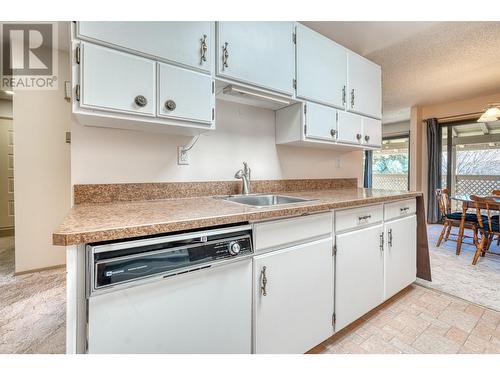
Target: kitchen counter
93	222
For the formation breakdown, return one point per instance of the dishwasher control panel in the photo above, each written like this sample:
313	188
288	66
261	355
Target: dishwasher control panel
125	262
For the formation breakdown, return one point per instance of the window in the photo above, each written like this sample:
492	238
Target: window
391	163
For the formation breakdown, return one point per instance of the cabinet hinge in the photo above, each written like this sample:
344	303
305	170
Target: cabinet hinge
213	87
305	109
294	38
334	250
337	117
77	92
305	129
294	83
334	319
77	54
213	114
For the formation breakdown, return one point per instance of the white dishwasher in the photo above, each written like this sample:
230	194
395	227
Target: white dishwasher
185	293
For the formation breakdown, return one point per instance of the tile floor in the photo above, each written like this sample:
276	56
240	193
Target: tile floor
417	320
420	320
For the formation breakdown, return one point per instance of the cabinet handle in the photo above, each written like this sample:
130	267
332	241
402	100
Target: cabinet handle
367	138
381	243
263	281
170	105
389	240
358	136
225	56
403	210
333	132
141	100
364	218
352	98
343	95
203	49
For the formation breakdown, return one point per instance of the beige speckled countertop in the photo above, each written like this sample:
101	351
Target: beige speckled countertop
93	222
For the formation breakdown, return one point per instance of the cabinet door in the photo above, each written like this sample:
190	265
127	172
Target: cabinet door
365	86
320	121
114	80
349	127
359	274
257	53
179	42
400	255
184	94
321	68
372	132
295	314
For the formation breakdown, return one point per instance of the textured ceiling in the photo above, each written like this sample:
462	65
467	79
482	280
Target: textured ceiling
426	62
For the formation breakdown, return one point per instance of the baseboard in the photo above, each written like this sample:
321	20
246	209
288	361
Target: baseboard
40	269
7	232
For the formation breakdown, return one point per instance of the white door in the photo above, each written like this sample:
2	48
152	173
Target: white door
372	132
359	274
6	174
178	42
185	95
118	81
205	311
365	86
295	313
320	121
400	255
257	53
349	127
321	68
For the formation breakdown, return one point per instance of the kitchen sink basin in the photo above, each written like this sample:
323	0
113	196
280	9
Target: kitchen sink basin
264	200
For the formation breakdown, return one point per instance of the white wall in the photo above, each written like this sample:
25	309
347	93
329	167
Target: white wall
243	133
5	108
41	172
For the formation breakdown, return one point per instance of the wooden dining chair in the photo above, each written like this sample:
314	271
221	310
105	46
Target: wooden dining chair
496	192
454	219
489	226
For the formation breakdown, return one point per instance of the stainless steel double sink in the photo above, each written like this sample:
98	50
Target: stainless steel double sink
264	200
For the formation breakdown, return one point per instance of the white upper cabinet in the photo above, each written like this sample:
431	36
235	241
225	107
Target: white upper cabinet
185	43
350	128
320	122
321	68
116	81
257	53
184	94
365	86
372	132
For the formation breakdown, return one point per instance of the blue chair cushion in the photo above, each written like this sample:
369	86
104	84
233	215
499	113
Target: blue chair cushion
458	216
494	223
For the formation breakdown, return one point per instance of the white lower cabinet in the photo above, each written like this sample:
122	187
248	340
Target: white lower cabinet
359	276
400	260
293	298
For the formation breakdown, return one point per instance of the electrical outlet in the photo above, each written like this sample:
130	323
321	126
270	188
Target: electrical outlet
182	156
338	162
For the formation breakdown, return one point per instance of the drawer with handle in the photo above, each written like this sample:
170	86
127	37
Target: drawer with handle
400	208
358	217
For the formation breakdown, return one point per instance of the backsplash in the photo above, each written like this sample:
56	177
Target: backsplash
107	193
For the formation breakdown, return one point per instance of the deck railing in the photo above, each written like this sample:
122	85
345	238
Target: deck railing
390	181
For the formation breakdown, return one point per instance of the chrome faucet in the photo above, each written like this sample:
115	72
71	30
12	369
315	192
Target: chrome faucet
244	175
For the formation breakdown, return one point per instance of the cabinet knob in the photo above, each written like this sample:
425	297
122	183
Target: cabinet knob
170	105
358	136
141	100
333	132
367	138
203	49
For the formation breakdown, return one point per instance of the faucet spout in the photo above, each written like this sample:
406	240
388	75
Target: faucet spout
244	176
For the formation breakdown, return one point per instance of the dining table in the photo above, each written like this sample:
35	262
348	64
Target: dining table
467	203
